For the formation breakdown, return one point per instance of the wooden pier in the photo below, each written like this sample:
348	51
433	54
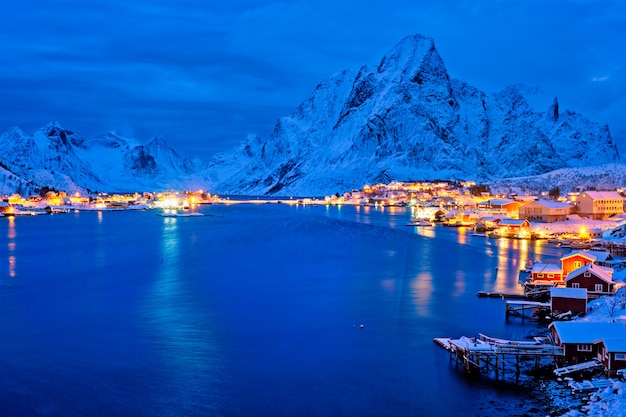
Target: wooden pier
496	294
521	308
484	354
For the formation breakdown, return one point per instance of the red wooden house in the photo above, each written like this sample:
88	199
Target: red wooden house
580	339
596	279
575	260
612	353
514	228
563	300
546	274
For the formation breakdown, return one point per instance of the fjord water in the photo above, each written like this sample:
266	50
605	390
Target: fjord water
255	310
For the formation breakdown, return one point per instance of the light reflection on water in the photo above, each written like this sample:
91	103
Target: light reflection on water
11	246
422	289
249	313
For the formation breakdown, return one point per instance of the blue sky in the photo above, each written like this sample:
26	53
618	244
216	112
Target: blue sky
205	74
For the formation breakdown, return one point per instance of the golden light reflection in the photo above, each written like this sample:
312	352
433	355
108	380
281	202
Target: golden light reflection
100	216
422	289
522	251
502	274
503	243
459	284
425	231
509	264
12	266
11	234
462	236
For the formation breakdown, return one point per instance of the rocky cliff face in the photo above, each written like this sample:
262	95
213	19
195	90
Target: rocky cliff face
406	119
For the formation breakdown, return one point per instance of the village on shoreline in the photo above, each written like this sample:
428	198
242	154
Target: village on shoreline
582	216
583	299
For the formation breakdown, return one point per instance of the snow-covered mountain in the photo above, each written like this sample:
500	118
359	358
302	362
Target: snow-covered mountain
58	158
406	119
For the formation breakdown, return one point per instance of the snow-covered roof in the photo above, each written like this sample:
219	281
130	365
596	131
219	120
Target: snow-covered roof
615	345
601	255
512	222
491	218
594	269
541	268
587	332
564	292
584	254
553	204
603	195
500	201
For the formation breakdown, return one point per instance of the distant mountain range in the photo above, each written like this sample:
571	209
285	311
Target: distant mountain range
57	158
403	120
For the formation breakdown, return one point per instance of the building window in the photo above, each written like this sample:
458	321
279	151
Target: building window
587	274
598	288
575	285
584	348
620	356
550	275
539	275
577	264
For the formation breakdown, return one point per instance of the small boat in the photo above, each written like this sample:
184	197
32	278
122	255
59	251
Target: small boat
580	244
176	214
419	222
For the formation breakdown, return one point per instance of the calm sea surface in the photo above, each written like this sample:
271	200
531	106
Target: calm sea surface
254	311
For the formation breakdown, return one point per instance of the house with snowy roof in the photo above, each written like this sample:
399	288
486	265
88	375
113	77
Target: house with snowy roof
581	340
514	228
594	278
612	353
564	299
546	274
486	223
501	206
575	260
544	211
599	205
556	275
603	258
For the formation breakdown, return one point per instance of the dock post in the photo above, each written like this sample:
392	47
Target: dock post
497	367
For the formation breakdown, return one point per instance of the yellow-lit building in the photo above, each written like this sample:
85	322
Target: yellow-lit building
599	205
545	211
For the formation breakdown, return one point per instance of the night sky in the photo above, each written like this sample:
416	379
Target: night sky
204	74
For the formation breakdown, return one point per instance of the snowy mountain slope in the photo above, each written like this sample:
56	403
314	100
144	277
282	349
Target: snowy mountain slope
58	158
601	177
406	119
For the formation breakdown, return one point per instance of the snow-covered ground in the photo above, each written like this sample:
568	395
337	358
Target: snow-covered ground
575	223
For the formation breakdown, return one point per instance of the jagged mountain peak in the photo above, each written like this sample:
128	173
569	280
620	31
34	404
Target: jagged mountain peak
408	120
407	55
